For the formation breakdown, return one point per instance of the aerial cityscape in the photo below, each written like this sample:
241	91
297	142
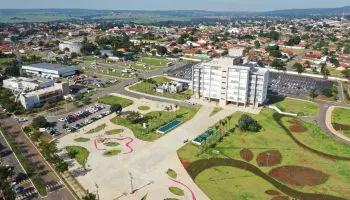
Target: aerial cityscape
175	100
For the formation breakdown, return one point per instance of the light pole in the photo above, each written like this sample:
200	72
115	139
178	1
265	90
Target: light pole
98	196
268	156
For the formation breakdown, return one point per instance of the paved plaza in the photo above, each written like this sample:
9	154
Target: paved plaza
133	174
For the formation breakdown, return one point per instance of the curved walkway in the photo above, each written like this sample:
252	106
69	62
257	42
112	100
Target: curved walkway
200	165
330	127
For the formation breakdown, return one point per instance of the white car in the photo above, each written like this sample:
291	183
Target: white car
62	119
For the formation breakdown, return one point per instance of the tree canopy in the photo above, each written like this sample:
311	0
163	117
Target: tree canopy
247	123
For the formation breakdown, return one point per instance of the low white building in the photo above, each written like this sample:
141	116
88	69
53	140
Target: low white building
24	83
170	87
46	95
73	46
47	70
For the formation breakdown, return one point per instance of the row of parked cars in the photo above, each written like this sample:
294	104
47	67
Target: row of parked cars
82	114
87	121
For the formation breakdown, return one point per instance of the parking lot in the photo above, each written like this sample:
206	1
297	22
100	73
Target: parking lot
182	72
286	84
76	120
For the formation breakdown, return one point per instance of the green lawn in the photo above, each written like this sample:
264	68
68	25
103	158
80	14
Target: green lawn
143	108
81	139
177	191
6	60
171	173
89	58
81	154
219	183
302	108
96	129
111	152
215	110
111	144
341	120
110	100
117	74
154	121
153	61
149	88
114	132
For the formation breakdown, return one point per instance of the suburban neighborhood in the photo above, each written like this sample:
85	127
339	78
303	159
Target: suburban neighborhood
136	105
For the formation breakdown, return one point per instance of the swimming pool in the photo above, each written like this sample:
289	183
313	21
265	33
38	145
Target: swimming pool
203	137
169	126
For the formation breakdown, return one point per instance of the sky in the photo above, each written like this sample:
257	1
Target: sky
211	5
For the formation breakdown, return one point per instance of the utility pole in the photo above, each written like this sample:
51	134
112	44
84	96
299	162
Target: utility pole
131	183
98	196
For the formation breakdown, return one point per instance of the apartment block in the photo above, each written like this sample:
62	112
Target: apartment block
228	81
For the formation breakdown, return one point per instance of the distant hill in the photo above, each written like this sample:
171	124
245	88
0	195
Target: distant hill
141	16
309	12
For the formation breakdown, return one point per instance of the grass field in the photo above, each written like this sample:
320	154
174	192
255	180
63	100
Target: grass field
81	139
110	100
219	183
80	154
112	152
154	121
143	108
32	18
117	74
96	129
341	120
302	108
177	191
215	110
154	61
149	88
6	60
114	132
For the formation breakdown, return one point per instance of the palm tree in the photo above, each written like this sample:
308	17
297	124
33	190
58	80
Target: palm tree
89	196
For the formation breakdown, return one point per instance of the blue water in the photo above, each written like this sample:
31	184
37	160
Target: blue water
169	126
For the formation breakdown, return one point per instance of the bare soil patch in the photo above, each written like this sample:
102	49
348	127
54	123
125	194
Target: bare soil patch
246	154
296	127
272	192
299	176
185	163
269	158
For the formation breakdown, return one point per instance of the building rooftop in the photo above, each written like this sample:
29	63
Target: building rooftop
25	79
57	86
56	67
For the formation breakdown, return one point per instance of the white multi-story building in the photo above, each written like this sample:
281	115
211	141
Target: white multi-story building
46	95
228	81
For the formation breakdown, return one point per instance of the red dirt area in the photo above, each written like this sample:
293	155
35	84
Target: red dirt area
297	127
280	198
269	158
299	176
272	192
185	163
246	154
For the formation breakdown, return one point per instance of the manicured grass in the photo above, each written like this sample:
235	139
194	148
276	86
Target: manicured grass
302	108
6	60
215	110
96	129
223	182
154	121
117	74
81	139
177	191
153	61
171	173
89	94
110	100
81	154
341	120
143	108
149	88
89	58
114	132
111	152
111	144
